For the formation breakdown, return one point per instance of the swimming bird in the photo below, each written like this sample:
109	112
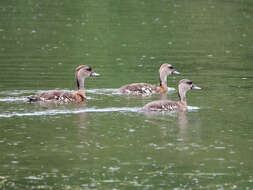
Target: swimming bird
167	105
82	72
148	89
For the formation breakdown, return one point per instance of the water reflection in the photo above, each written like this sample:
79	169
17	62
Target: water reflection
22	108
182	119
176	118
205	40
183	124
163	96
82	118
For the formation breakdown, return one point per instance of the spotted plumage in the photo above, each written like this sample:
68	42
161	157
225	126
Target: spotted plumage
161	105
138	89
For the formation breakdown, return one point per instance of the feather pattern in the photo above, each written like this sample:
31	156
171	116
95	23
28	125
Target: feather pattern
162	105
138	89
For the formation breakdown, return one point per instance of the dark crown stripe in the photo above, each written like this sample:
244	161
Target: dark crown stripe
77	81
80	67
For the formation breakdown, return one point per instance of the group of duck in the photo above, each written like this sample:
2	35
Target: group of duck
84	71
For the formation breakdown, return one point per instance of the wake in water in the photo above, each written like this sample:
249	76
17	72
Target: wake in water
20	96
58	112
104	91
24	99
13	99
20	92
85	110
13	95
113	91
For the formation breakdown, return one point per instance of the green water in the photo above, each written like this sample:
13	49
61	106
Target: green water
106	143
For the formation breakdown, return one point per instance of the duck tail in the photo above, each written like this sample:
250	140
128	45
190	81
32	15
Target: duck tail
33	98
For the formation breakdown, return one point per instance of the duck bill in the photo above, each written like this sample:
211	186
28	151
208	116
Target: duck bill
194	87
93	74
175	72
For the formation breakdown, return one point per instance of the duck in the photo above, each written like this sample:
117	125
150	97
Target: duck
82	72
167	105
148	89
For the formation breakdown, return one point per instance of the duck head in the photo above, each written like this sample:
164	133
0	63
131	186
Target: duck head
82	72
164	71
167	69
184	86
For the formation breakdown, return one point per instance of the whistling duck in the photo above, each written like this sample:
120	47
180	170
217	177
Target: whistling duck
166	105
82	72
148	89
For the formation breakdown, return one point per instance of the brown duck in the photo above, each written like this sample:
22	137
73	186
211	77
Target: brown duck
82	72
166	105
148	89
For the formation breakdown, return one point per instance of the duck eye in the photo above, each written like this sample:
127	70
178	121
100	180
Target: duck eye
189	82
88	69
170	67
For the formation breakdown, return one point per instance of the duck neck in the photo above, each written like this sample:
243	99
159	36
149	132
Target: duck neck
163	80
80	83
182	96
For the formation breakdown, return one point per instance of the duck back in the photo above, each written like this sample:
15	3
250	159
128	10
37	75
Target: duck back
162	105
138	89
60	96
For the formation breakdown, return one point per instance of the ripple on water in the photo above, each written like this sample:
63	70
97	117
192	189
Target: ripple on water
86	110
104	91
12	99
12	96
58	112
19	95
20	92
193	108
112	91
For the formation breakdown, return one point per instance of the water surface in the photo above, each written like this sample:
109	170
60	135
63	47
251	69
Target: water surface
108	142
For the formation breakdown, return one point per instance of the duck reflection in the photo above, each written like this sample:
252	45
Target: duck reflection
163	96
182	124
169	117
81	116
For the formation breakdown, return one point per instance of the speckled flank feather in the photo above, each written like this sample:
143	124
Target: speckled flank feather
69	97
60	96
138	89
162	105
